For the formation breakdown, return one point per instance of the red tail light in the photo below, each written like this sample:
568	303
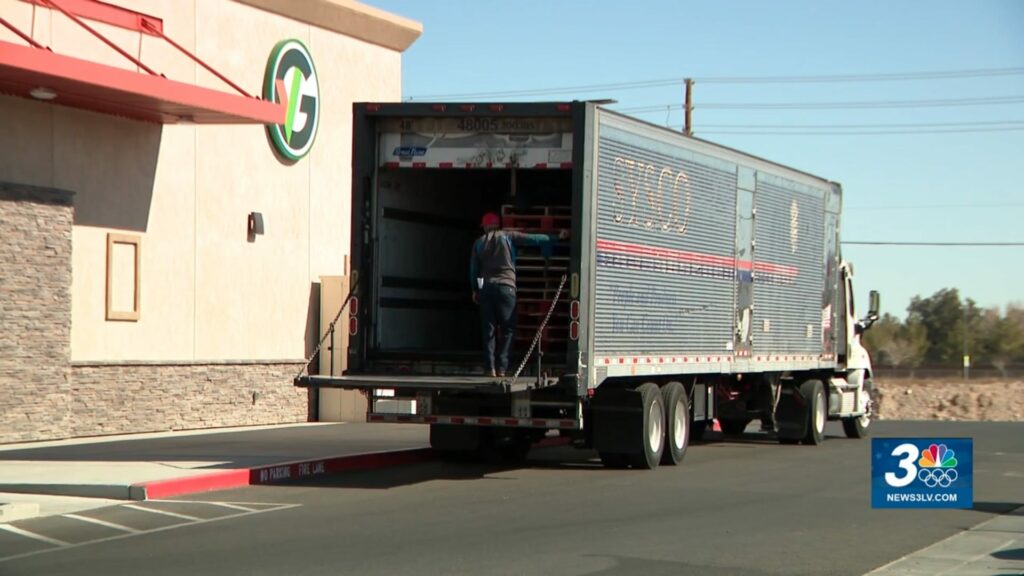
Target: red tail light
574	310
353	306
467	107
574	330
353	326
562	107
497	107
439	107
373	107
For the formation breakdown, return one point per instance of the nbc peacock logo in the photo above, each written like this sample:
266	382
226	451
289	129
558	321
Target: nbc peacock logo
937	466
291	81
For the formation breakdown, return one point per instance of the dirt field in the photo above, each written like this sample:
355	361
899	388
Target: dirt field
991	400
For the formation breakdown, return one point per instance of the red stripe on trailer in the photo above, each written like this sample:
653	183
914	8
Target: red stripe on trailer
567	424
484	420
430	419
511	422
391	165
541	165
565	165
540	422
445	165
458	420
419	164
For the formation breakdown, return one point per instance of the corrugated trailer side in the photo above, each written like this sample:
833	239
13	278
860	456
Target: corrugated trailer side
706	260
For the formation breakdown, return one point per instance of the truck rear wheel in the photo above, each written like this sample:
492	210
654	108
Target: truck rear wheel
677	423
813	392
653	428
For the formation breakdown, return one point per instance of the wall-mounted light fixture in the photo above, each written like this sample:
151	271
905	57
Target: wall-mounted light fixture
254	225
42	93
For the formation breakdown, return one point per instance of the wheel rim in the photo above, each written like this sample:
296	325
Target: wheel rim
819	413
869	407
679	424
654	433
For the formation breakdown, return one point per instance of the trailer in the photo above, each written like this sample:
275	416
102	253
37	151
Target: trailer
697	283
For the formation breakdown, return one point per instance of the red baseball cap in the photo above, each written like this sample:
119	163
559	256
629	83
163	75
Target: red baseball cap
490	219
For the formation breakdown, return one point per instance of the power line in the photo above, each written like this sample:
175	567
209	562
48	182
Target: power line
855	132
937	206
985	101
899	76
656	83
897	243
870	126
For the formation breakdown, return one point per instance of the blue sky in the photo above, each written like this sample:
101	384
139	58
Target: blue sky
962	182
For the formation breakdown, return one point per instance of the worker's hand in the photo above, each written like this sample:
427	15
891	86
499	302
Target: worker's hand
476	297
563	234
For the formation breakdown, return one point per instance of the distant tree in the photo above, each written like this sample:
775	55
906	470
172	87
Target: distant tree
897	344
880	337
1001	338
908	348
947	323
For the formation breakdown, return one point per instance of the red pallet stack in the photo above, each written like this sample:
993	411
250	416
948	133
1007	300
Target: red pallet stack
538	278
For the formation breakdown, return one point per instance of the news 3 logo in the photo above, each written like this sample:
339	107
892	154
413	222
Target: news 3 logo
922	473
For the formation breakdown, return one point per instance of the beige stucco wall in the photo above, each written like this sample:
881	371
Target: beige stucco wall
206	292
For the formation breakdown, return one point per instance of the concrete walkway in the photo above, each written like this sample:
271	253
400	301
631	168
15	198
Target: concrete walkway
138	467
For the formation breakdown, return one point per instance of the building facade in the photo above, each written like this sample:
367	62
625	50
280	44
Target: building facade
162	234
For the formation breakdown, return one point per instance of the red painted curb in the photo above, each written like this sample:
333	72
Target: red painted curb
274	473
190	484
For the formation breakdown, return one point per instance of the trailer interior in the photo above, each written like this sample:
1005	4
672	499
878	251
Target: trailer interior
425	222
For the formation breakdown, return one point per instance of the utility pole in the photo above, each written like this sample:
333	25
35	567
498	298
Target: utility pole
688	108
967	357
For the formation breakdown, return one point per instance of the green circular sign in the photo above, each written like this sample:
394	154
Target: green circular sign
291	80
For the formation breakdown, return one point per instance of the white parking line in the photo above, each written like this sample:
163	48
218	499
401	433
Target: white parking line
101	522
232	506
34	536
164	512
195	522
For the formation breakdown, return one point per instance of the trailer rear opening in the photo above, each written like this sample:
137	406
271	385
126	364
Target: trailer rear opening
426	222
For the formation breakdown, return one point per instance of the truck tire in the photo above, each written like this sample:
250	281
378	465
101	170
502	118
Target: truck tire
733	426
813	392
677	423
858	427
653	428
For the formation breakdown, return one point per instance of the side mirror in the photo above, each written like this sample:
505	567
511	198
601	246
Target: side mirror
873	304
872	317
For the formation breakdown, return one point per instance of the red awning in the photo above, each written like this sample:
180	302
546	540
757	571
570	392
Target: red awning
83	84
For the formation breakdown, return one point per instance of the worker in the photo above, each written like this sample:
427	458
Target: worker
492	272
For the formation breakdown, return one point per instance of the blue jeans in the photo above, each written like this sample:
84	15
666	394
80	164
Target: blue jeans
498	324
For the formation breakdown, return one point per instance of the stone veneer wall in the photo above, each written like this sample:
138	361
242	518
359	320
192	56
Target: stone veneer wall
35	312
43	396
118	398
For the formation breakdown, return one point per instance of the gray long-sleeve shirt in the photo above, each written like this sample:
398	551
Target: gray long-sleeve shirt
494	255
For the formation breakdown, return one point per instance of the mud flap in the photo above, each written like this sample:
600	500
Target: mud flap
454	438
617	418
791	414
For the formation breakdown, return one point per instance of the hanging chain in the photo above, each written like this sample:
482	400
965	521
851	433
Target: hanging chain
540	332
330	330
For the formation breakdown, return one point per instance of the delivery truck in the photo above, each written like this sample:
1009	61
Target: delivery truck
698	284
